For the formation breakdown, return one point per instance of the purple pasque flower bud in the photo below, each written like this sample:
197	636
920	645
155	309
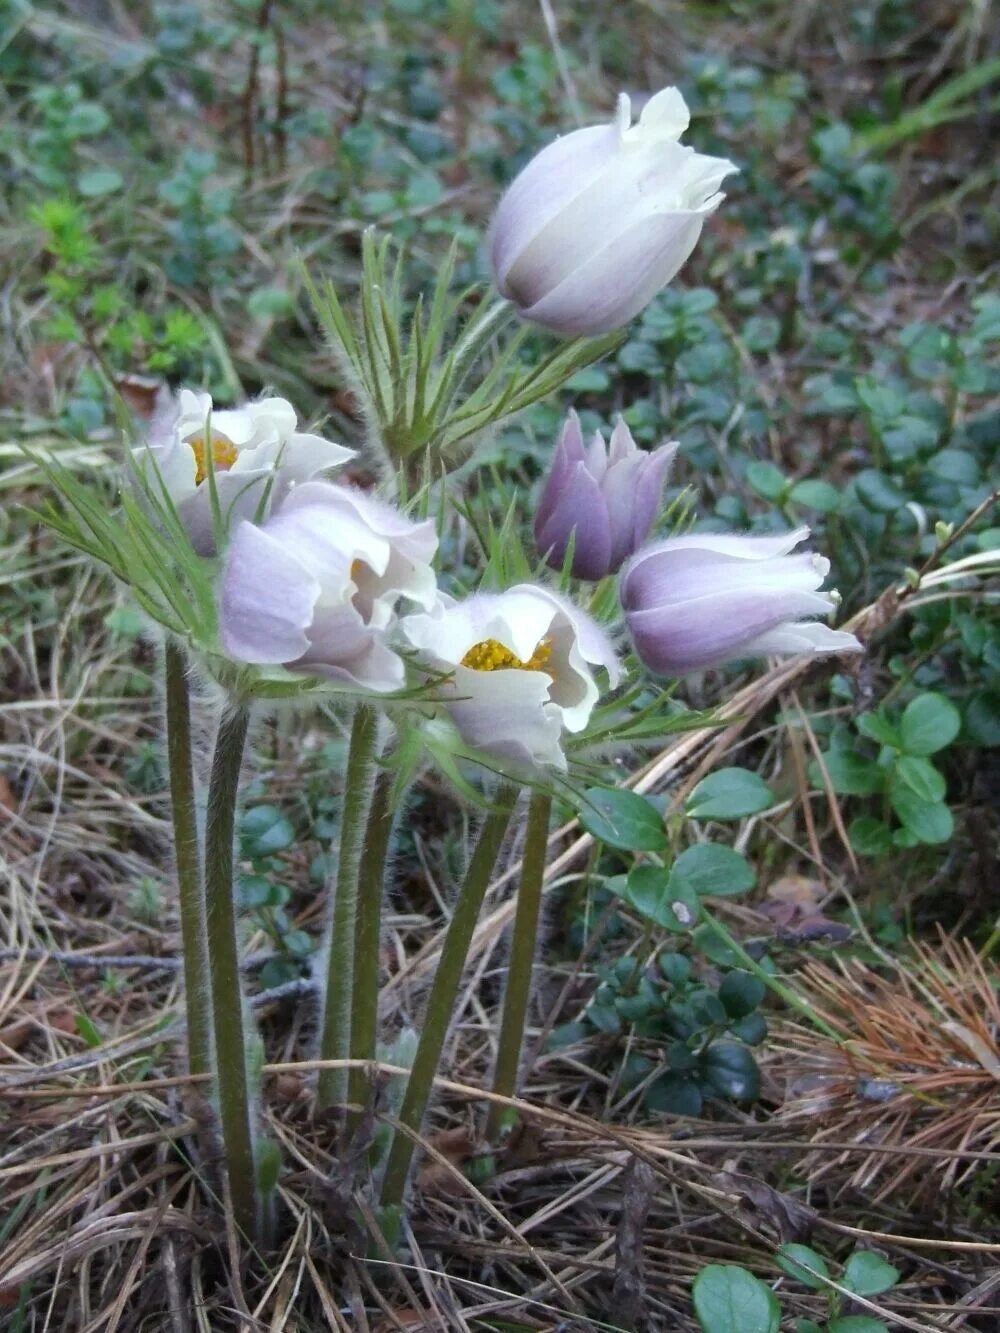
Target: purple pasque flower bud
608	497
600	220
701	600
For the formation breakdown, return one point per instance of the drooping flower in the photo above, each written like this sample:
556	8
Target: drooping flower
315	588
608	498
520	670
603	218
247	447
701	600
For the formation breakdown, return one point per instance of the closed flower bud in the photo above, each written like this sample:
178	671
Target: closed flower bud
606	499
255	451
603	218
315	587
701	600
520	670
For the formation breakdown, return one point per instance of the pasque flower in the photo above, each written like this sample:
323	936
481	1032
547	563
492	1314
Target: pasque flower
315	588
603	218
255	451
519	669
701	600
607	497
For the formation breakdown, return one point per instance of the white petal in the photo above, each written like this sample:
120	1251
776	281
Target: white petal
803	637
267	599
665	116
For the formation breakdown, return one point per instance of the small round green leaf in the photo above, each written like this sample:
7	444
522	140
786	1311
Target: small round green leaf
656	894
922	778
856	1323
713	871
730	793
928	821
623	819
849	774
867	1274
264	831
869	836
741	993
102	180
731	1071
674	1094
728	1299
798	1260
929	723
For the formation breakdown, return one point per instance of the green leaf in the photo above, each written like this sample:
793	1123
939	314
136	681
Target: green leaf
102	180
730	793
263	831
878	728
869	836
731	1071
85	119
656	894
728	1299
818	495
867	1274
88	1030
927	821
922	778
767	480
623	819
713	871
795	1260
674	1094
878	492
929	723
741	993
849	774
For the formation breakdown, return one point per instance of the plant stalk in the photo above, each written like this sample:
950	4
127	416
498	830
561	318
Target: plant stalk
187	858
786	993
224	970
335	1035
522	960
371	874
444	992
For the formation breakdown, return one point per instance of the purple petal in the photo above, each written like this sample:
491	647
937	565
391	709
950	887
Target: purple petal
580	508
267	600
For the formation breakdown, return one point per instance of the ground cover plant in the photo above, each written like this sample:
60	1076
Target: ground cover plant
463	866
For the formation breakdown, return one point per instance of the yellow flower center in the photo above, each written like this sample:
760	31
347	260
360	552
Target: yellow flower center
491	655
223	455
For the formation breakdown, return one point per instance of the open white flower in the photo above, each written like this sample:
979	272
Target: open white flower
520	669
315	587
247	447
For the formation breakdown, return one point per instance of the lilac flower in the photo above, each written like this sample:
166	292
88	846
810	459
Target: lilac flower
701	600
315	588
608	498
603	218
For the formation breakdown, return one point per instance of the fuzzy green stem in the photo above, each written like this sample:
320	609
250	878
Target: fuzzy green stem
224	971
444	992
187	859
522	960
371	873
335	1037
785	993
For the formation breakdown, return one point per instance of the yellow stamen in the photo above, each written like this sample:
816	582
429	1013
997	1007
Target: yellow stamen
224	454
491	655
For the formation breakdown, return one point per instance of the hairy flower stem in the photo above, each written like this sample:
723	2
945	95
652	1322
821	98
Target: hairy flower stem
335	1036
371	873
187	860
444	992
773	984
224	971
522	960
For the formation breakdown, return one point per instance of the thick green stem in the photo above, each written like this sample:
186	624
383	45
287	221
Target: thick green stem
335	1036
224	973
371	873
444	992
786	993
522	960
187	860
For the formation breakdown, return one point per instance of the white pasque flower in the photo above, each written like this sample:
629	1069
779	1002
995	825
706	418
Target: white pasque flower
316	586
247	447
600	220
520	669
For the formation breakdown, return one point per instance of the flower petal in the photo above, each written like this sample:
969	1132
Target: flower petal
267	600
